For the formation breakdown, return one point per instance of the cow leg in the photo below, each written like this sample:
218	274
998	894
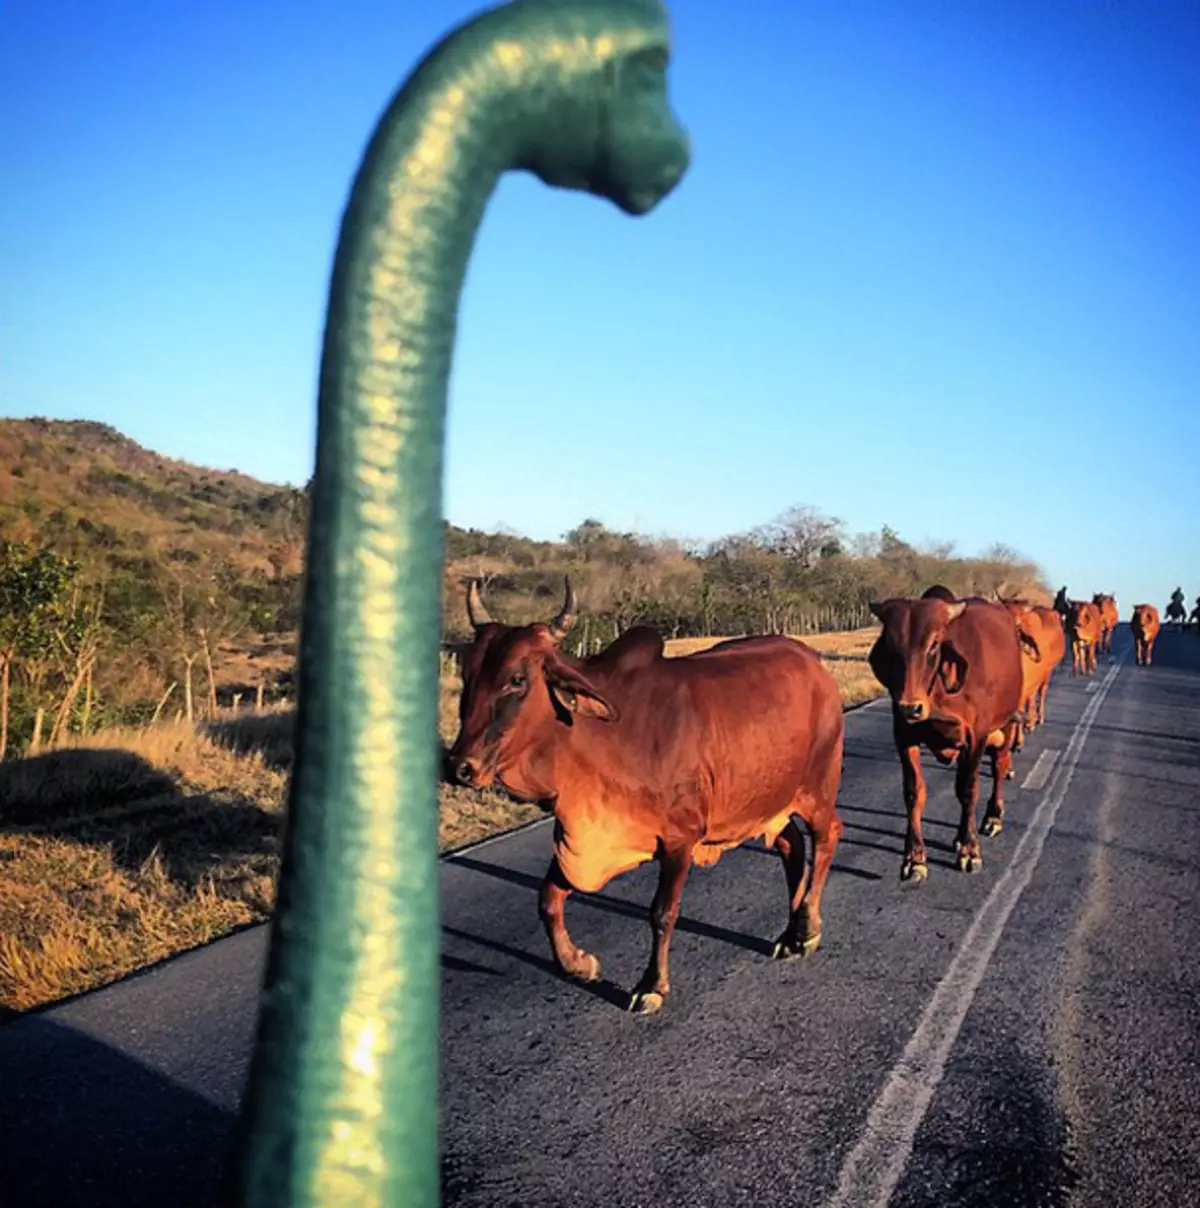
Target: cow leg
802	935
914	867
574	962
790	846
993	816
966	787
655	983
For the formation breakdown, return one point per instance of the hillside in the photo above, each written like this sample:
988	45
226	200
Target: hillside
91	493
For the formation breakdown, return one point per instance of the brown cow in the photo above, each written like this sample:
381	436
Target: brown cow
1031	665
1145	626
1042	650
654	758
1109	619
1083	628
953	672
1052	642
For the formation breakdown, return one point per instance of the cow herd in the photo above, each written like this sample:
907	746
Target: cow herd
677	760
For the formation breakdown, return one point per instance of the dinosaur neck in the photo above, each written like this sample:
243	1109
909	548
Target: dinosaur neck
365	731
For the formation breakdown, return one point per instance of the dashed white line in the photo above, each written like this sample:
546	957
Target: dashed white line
1040	772
874	1166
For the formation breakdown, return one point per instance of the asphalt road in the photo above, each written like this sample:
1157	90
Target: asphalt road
1029	1035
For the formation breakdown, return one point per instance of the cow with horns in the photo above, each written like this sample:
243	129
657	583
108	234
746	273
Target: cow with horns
646	757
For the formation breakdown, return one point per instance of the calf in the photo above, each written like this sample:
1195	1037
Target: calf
1145	626
1083	626
1109	619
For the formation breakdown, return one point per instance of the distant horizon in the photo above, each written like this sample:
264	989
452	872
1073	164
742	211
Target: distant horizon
934	267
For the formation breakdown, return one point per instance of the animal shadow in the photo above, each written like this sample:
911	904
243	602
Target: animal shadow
117	798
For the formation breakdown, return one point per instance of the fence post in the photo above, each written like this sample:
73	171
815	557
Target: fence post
341	1101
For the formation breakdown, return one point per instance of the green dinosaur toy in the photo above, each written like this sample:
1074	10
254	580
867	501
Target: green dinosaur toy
341	1106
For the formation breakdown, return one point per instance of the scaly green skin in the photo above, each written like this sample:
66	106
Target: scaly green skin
341	1108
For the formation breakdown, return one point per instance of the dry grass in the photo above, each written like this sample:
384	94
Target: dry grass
142	843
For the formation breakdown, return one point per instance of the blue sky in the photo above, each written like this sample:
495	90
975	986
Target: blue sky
934	265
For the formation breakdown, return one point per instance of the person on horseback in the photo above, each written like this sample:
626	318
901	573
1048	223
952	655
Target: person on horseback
1177	610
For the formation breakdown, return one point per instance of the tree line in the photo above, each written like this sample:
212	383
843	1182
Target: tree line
91	636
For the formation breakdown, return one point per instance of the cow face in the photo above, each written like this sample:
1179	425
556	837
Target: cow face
517	688
915	654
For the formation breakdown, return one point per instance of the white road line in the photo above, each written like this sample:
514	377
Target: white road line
1091	686
874	1166
508	834
1040	772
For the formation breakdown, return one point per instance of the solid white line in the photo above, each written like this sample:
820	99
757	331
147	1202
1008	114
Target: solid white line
874	1166
1040	772
1090	686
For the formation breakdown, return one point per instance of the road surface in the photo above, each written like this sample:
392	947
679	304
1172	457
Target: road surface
1029	1035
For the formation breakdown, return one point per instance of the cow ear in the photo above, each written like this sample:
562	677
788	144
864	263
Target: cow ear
576	693
952	669
955	610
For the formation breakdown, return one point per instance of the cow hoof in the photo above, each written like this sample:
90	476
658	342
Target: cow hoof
990	827
588	969
968	863
645	1002
787	949
914	872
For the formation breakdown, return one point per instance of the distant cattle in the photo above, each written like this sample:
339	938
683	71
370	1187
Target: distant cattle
1083	628
652	758
1145	626
953	672
1109	618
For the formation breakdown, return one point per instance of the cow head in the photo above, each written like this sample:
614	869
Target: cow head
915	653
518	686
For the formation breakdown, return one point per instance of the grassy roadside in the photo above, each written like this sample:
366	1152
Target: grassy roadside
143	843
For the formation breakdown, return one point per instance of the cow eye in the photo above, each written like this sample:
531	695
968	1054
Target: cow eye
517	680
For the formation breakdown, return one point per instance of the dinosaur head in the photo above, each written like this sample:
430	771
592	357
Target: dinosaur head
585	86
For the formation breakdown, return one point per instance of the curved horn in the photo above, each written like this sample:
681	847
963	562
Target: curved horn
561	625
476	613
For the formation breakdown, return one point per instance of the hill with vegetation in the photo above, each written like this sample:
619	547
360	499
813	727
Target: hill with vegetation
131	582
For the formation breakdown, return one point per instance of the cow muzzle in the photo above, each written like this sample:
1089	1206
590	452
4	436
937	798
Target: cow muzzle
913	710
468	772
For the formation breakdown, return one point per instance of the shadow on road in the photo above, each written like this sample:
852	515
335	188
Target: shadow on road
599	901
87	1127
